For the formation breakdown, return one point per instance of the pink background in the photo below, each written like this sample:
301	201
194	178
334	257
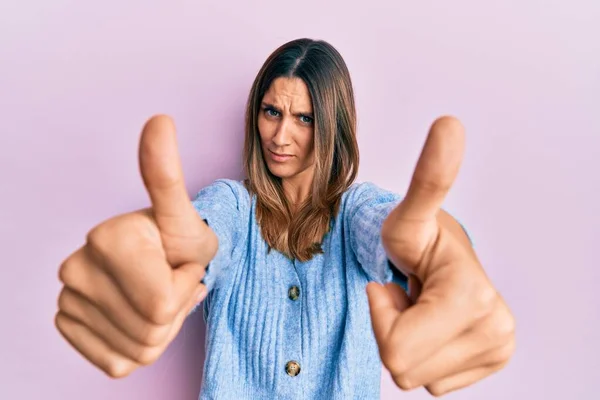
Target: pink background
78	79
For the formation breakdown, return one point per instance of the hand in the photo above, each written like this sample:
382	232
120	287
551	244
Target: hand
454	328
128	290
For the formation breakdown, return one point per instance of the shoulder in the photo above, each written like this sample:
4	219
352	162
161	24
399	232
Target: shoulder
368	192
224	192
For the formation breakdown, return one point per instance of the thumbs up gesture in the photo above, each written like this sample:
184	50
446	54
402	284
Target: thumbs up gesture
453	328
128	290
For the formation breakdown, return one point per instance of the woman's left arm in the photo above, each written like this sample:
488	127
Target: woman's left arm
454	328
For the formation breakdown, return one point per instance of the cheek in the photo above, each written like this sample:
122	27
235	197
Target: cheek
308	143
264	130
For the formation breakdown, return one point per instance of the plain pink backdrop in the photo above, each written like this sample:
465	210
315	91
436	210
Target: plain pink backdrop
78	80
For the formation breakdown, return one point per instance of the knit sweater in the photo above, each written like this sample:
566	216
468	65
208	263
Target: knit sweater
284	329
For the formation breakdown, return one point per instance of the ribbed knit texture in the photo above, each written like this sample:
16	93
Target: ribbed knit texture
254	328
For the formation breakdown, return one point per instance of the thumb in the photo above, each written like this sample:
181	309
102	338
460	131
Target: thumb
386	304
184	234
435	172
161	171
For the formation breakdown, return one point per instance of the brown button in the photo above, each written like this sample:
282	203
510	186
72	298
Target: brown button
292	368
294	293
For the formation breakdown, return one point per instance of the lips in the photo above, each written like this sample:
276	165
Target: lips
279	157
280	154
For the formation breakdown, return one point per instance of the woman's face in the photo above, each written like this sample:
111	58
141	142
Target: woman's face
286	127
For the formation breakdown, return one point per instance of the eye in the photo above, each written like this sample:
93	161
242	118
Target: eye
271	112
305	119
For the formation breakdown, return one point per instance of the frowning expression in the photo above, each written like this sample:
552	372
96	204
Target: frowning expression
286	127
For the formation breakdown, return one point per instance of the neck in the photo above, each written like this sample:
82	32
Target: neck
298	188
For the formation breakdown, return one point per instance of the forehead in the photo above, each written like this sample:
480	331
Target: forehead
289	92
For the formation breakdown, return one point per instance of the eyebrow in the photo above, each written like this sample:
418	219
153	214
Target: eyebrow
304	114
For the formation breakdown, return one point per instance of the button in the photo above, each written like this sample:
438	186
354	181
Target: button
294	293
292	368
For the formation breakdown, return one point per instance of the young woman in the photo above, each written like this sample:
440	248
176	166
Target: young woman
290	262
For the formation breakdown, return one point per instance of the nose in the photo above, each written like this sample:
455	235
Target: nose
283	135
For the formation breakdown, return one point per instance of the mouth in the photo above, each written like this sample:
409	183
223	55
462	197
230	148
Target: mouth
280	157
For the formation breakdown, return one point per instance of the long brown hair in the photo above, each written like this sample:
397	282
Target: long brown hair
298	234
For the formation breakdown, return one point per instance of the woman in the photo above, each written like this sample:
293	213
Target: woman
284	258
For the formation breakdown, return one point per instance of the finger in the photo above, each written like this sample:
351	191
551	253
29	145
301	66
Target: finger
462	380
441	314
386	304
129	249
435	171
163	301
186	284
453	359
94	349
161	171
79	309
144	275
489	342
384	310
83	275
200	294
401	299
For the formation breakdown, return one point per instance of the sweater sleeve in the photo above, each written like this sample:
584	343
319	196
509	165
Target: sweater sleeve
220	204
367	207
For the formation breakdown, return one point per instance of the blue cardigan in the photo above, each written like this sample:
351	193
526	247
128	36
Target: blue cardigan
283	329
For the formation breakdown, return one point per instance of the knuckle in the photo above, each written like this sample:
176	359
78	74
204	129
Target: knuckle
394	360
148	355
503	354
65	326
485	298
59	322
162	309
117	369
67	273
169	310
403	381
505	327
154	335
501	326
97	238
432	183
113	235
436	390
64	301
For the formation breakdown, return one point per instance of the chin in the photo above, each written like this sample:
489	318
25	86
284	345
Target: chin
281	171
